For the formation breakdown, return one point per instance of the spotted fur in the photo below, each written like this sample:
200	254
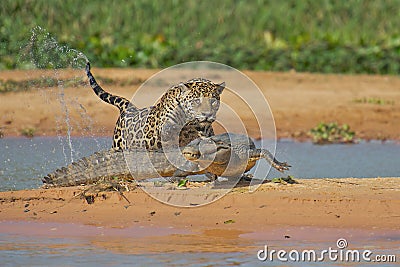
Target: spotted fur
185	111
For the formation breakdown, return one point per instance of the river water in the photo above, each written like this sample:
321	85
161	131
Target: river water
24	161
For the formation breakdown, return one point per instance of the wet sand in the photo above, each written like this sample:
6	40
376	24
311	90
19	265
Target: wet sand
316	209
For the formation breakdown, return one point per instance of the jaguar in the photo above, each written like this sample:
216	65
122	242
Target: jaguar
183	113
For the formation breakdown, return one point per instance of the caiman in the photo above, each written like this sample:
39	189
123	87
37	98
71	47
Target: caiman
219	155
227	155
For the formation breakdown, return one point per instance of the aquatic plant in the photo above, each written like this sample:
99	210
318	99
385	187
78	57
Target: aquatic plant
374	100
28	132
330	133
284	180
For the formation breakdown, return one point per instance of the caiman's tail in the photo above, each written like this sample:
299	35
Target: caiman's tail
118	101
263	153
101	166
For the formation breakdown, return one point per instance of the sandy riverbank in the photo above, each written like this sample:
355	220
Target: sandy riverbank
367	203
298	101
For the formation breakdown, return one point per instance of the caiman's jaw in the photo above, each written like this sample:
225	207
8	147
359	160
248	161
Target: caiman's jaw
191	154
217	153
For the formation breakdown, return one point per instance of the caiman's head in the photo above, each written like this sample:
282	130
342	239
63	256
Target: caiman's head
208	150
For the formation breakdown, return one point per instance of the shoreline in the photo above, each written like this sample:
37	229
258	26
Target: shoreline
364	203
291	136
278	139
314	212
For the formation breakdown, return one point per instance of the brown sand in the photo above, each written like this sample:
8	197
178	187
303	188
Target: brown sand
314	210
359	203
299	101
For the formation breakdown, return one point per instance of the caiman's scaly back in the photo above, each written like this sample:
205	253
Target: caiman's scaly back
231	155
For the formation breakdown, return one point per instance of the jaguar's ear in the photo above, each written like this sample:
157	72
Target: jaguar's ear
221	87
184	86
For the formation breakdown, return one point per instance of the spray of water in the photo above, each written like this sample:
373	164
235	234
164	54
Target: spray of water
66	112
42	51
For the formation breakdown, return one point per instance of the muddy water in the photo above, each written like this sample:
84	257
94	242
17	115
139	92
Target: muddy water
24	161
57	244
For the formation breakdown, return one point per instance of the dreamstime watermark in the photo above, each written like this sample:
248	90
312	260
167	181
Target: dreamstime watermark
338	254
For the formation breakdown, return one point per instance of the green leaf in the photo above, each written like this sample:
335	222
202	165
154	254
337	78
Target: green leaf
183	182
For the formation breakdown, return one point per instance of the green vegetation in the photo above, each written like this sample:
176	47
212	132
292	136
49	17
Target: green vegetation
284	180
317	36
374	100
331	133
28	132
15	86
47	82
183	183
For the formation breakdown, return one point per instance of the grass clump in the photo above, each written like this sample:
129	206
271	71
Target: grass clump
48	82
284	180
332	133
28	132
374	100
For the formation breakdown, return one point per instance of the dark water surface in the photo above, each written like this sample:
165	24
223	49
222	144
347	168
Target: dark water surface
57	244
24	161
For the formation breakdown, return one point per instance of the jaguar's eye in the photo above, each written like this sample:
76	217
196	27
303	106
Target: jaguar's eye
214	102
196	101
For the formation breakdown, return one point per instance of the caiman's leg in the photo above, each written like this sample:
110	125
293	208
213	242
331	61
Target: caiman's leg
188	169
247	176
191	169
263	153
178	175
211	176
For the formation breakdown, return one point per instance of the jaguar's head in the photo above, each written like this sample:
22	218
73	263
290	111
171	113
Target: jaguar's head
200	99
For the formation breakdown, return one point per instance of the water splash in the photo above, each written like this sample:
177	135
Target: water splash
66	112
43	51
87	120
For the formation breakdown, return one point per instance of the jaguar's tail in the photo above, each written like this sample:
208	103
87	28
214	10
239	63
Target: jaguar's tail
118	101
